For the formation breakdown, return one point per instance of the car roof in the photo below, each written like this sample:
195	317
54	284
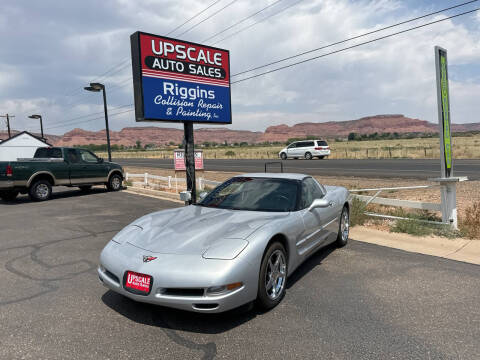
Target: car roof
291	176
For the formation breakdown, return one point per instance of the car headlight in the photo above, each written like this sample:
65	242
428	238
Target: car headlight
126	233
220	290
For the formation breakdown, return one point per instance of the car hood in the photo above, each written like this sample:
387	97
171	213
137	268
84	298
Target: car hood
215	233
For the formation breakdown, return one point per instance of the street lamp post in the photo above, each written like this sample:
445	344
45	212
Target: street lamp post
96	87
36	116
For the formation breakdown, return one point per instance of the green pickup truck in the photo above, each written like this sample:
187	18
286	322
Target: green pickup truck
52	166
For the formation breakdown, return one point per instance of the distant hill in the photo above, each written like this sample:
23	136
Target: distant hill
159	136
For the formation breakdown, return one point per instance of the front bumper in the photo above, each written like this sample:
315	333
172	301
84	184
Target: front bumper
179	272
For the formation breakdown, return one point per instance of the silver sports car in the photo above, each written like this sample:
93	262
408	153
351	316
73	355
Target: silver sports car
237	245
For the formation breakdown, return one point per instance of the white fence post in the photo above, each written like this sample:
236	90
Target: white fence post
126	176
169	182
200	183
146	179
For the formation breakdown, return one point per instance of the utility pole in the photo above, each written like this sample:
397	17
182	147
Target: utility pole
190	161
8	123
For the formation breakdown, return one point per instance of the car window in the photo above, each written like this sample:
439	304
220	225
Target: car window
72	156
55	153
291	146
254	194
310	191
309	143
322	143
301	144
87	156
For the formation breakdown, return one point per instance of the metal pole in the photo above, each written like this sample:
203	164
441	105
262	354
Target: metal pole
190	161
106	124
41	126
8	126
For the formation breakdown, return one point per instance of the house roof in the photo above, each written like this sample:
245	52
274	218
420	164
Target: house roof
25	132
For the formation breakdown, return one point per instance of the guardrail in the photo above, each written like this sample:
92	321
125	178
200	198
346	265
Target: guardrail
171	181
175	182
374	199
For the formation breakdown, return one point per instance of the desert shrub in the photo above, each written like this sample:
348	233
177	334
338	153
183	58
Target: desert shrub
230	153
357	212
411	227
417	228
469	224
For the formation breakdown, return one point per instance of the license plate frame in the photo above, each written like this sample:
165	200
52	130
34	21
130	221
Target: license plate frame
136	282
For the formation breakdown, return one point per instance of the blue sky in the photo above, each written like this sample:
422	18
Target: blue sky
51	49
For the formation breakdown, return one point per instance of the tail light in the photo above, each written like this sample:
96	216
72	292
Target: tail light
9	170
322	148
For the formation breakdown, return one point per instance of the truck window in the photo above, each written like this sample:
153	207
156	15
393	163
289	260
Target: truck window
48	153
72	156
87	156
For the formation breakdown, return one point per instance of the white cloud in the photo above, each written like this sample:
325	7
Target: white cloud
394	75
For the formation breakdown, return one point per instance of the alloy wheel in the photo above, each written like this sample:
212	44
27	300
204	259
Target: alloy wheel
275	275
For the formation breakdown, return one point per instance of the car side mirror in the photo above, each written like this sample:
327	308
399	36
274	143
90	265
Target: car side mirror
319	203
203	195
100	160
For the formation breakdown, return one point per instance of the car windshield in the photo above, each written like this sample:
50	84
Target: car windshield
254	194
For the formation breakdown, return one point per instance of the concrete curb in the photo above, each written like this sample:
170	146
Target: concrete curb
465	250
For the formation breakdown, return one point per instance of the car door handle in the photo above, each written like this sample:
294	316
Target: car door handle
331	203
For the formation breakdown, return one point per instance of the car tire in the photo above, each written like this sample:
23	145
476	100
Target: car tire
114	183
283	156
272	279
8	196
41	190
85	188
343	228
308	156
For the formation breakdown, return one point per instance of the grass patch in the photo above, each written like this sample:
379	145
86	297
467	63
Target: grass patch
230	153
127	183
357	212
469	224
416	228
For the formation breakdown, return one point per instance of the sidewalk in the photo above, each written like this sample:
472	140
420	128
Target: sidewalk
465	250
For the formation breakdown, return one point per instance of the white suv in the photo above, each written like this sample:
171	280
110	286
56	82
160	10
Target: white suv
307	149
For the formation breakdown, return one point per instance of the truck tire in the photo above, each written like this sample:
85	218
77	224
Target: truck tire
8	195
114	182
40	190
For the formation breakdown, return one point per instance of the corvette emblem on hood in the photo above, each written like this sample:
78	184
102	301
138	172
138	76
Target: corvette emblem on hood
148	258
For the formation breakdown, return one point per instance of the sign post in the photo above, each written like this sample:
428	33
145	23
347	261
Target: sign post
180	81
448	190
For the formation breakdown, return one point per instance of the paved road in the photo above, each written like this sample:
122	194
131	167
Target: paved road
360	302
401	168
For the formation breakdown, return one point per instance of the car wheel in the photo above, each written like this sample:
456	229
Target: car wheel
8	195
115	182
85	188
273	277
41	190
321	157
308	156
343	228
283	156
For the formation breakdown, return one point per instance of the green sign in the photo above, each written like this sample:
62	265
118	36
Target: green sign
444	119
447	139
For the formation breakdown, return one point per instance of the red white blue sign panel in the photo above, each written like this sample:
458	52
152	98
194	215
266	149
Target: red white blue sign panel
176	80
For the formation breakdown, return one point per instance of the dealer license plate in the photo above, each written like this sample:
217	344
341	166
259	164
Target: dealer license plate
138	283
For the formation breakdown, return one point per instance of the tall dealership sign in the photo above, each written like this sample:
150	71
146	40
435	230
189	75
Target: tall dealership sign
443	100
180	81
448	190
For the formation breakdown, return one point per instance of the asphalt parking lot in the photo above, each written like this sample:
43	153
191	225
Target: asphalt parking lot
360	302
